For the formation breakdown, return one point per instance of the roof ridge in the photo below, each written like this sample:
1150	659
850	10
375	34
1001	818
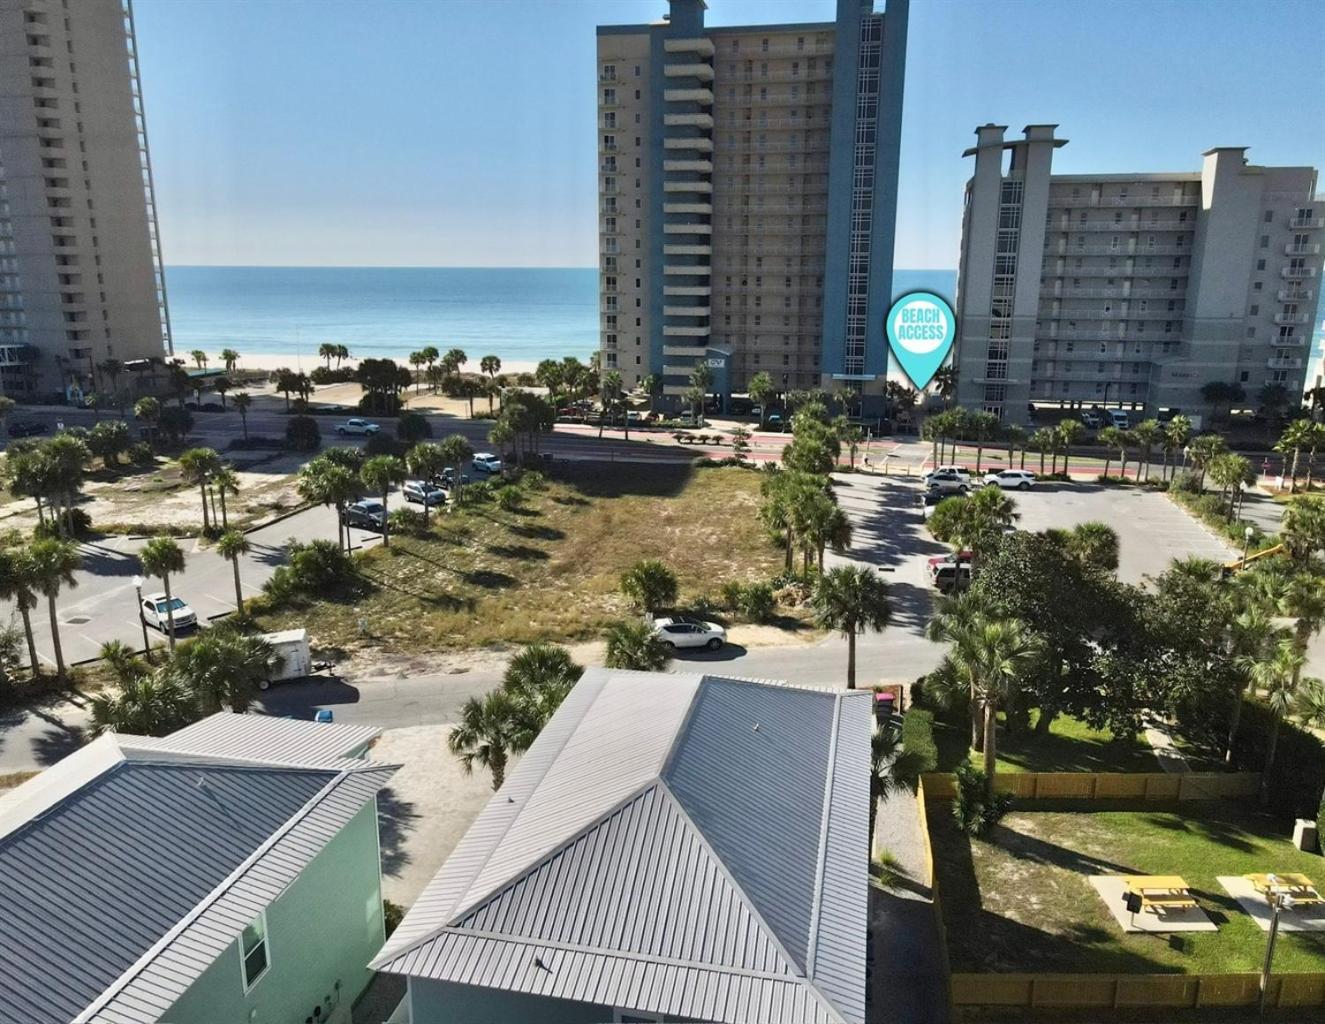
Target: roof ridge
183	755
737	888
113	989
816	908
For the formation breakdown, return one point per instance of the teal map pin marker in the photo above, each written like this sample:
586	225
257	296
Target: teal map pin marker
921	329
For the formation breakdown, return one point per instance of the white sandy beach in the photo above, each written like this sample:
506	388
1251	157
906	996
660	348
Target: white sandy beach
309	360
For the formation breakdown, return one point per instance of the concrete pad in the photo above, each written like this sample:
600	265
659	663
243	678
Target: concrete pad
1304	919
1111	889
429	805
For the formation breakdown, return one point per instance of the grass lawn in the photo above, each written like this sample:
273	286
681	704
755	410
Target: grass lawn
1070	746
1019	900
552	569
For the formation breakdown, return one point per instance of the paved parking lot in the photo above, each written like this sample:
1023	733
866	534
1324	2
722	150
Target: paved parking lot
1152	530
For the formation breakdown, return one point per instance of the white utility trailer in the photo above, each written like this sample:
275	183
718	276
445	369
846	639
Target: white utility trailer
292	660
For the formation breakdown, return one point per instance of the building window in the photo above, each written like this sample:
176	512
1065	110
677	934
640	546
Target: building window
1269	219
253	951
1260	264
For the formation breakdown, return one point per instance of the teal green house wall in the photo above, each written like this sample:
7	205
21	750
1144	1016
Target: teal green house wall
324	928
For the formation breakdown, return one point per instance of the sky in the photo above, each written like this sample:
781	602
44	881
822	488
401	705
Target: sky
461	132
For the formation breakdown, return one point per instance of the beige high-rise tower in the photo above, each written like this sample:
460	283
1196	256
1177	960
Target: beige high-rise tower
81	286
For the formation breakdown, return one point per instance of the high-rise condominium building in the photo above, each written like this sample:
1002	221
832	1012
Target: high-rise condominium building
80	271
1131	290
748	187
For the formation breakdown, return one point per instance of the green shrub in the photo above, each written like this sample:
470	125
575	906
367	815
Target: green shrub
755	601
918	738
1298	776
731	593
381	444
408	522
302	434
975	810
1186	481
478	492
413	427
81	524
141	454
510	497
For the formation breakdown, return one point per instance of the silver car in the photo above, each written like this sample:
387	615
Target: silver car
678	633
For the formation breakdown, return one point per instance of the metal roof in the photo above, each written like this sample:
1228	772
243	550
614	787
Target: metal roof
679	844
264	739
123	873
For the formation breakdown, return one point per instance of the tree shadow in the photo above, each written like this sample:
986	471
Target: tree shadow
102	560
489	579
727	652
396	819
626	478
520	552
533	532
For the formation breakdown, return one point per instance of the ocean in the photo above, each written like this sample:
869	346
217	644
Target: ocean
520	314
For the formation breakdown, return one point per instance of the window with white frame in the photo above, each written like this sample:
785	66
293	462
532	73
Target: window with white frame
254	951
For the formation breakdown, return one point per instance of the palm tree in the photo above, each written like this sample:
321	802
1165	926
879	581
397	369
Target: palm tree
1069	432
198	466
851	599
53	564
161	557
1205	449
1296	436
485	734
1147	434
225	481
458	451
761	392
1094	543
1278	676
243	401
230	358
327	351
231	545
17	584
1043	440
322	481
633	644
539	677
199	357
1177	433
944	384
222	670
1302	528
490	365
956	618
1253	638
650	584
426	461
378	474
147	704
417	360
1110	438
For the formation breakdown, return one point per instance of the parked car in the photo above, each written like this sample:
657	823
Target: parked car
157	613
959	471
1090	421
1120	419
27	429
774	421
948	481
358	426
685	631
1011	479
949	558
369	514
945	576
486	462
447	479
422	493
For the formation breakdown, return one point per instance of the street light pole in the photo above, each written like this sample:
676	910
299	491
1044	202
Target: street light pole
1278	900
142	619
1246	544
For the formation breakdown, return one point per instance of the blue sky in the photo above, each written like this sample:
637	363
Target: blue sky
461	132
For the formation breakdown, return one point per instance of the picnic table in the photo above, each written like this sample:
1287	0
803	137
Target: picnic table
1161	892
1297	886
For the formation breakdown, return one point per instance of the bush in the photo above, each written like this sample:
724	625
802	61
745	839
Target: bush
478	492
381	444
413	427
141	454
509	497
974	809
1298	775
407	521
380	404
302	434
754	601
81	523
325	375
392	913
1186	481
918	737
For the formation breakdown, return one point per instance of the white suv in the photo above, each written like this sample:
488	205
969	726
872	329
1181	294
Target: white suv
487	462
690	633
1011	479
157	613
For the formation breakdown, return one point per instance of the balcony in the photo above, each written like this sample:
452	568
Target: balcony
679	290
1307	249
687	269
698	208
693	166
1068	227
686	311
687	250
701	45
1284	364
1297	273
687	229
695	69
703	97
1113	201
685	351
1295	341
1295	295
688	120
705	187
696	142
1108	250
1306	223
1291	319
672	331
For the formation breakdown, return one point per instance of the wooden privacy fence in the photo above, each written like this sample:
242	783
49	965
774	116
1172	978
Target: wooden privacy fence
1109	785
1146	991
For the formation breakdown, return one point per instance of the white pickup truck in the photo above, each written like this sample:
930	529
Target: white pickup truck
357	426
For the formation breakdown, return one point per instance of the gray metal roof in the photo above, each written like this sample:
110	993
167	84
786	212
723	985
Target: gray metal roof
123	875
679	844
262	738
